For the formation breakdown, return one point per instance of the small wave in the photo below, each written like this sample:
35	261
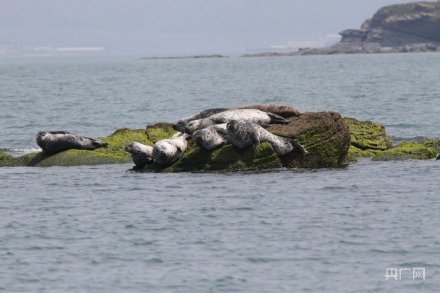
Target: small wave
17	152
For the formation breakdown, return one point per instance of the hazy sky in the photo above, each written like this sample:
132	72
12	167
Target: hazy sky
160	27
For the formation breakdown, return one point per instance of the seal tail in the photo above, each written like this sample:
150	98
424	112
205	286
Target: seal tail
98	144
276	119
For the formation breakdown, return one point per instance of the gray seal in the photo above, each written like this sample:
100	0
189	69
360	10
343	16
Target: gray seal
211	137
181	123
58	141
245	134
245	115
167	151
141	154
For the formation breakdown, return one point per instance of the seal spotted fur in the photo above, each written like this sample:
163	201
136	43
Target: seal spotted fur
211	137
246	115
141	154
245	134
58	141
181	123
167	151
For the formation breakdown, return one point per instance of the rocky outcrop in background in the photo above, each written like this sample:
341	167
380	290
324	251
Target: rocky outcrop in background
400	28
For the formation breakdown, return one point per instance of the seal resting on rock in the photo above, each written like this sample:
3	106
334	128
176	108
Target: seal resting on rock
58	141
246	134
141	154
181	123
167	151
246	115
211	137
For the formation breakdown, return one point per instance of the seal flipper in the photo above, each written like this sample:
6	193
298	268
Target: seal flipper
97	144
276	119
297	146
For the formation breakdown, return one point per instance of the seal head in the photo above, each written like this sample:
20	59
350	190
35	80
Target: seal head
141	154
212	137
168	151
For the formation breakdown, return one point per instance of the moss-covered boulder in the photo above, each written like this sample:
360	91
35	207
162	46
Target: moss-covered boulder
407	151
323	134
368	135
369	139
227	158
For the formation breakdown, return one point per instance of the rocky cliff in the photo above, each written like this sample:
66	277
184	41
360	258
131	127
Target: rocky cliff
408	27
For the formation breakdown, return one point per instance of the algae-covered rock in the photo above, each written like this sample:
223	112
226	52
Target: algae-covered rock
407	151
323	134
369	139
6	159
227	158
113	154
159	131
367	135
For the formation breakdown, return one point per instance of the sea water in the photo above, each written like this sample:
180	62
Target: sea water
106	229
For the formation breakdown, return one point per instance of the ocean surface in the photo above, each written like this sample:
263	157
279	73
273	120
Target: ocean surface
106	229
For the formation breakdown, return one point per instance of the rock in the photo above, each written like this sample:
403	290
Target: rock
407	151
367	135
369	139
226	159
400	28
324	135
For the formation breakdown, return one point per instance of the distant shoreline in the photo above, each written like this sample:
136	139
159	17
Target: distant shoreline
187	57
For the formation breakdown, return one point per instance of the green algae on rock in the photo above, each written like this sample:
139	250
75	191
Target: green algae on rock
323	134
228	158
367	135
113	154
407	151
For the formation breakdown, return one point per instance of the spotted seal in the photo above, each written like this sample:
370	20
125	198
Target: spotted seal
211	137
58	141
141	154
246	134
167	151
246	115
181	123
